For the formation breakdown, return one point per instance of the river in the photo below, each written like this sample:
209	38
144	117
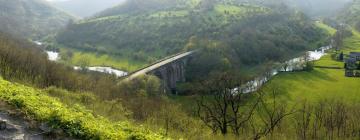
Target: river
107	70
295	64
55	56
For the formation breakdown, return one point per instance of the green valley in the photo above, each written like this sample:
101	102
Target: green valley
180	69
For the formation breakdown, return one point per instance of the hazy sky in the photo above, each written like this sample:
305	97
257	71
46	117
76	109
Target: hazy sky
57	0
84	8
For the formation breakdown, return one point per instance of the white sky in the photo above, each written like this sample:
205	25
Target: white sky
57	0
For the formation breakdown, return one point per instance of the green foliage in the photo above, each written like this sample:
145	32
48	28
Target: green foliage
74	120
31	18
351	14
176	123
145	85
111	109
22	62
154	32
331	31
255	42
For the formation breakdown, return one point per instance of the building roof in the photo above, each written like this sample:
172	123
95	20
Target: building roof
354	54
351	60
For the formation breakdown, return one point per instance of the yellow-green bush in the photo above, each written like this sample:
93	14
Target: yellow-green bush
74	120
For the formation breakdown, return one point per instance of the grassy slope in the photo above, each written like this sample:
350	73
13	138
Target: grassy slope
322	83
325	27
75	120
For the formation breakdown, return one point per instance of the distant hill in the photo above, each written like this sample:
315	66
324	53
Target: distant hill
30	18
150	30
351	14
141	6
85	8
157	27
319	8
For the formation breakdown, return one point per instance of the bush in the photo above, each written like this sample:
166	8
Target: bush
74	120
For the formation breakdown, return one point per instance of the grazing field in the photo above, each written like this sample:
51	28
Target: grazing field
322	83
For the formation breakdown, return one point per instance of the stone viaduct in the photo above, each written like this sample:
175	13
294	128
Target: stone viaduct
170	70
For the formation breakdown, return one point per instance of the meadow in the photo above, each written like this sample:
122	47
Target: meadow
95	59
322	83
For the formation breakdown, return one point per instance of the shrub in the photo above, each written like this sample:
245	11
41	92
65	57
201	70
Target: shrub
74	120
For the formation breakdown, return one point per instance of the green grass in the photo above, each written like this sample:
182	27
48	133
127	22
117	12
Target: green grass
325	27
74	120
317	85
94	59
352	43
327	61
321	83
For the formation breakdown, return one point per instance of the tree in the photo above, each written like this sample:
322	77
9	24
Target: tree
223	106
309	64
341	56
270	113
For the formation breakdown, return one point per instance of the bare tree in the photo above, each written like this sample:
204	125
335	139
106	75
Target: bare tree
302	121
223	106
270	113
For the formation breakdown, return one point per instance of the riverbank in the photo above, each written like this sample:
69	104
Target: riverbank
55	56
293	65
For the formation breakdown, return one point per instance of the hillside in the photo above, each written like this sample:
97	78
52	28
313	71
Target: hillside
76	101
76	121
149	32
30	18
351	14
319	8
85	8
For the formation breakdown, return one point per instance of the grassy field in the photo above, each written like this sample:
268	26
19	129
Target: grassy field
322	83
94	59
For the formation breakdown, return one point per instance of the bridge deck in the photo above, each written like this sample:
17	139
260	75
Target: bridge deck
158	65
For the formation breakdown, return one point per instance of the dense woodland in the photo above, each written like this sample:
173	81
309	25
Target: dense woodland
240	31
